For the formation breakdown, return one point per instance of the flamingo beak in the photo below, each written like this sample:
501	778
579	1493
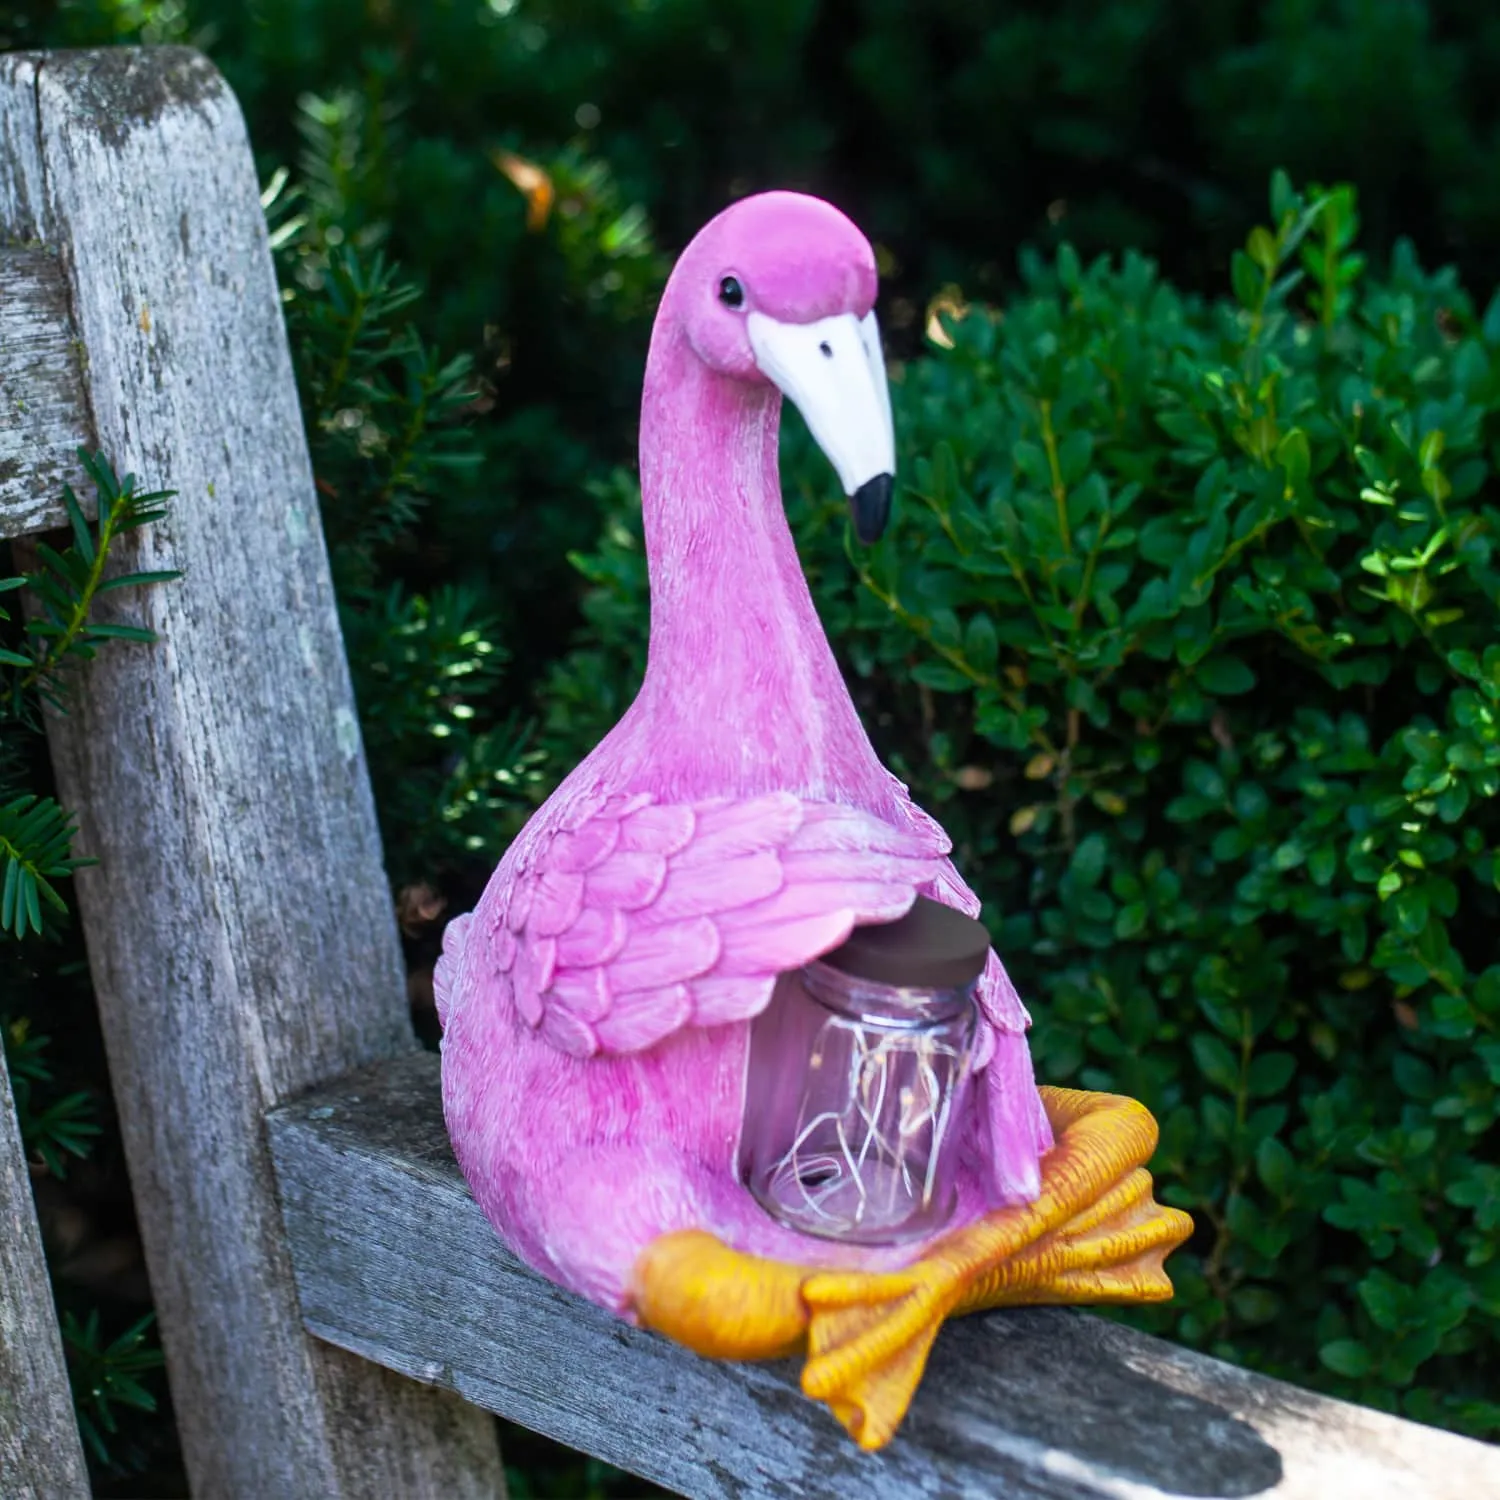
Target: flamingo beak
832	371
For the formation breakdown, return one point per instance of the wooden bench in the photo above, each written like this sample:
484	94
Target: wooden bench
337	1315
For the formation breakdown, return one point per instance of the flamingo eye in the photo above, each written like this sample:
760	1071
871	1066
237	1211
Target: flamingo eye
731	293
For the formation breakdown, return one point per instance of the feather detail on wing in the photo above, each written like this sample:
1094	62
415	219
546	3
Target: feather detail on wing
638	918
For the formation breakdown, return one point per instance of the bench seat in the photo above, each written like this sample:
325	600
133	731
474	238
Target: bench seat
394	1261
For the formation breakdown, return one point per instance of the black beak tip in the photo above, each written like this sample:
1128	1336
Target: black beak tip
871	504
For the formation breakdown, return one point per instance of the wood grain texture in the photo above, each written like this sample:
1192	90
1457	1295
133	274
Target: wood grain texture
22	195
395	1260
239	924
43	416
40	1455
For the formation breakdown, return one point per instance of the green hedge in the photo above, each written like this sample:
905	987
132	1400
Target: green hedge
954	131
1187	630
950	127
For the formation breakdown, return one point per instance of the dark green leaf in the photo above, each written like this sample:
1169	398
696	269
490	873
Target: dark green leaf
1216	1062
1224	676
1347	1357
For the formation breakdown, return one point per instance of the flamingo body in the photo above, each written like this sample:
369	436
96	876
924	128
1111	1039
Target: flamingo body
733	826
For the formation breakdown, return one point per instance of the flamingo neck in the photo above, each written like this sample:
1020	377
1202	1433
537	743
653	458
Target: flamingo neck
741	683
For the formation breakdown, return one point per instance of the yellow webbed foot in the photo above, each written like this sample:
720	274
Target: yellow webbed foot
1101	1236
1093	1234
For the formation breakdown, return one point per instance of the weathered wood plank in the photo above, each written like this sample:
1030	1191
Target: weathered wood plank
239	925
394	1260
43	416
40	1455
22	207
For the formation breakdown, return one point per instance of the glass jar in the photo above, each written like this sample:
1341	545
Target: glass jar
858	1081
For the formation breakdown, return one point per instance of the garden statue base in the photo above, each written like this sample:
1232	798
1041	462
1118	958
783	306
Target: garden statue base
1093	1234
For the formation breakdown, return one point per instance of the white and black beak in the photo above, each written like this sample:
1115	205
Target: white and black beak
832	371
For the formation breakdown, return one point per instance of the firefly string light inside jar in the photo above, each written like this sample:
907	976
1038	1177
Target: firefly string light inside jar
858	1079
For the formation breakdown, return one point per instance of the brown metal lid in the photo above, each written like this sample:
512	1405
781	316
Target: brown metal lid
933	947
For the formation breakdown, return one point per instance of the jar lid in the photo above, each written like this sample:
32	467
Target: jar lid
933	947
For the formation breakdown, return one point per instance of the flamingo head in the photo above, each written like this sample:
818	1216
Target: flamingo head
780	289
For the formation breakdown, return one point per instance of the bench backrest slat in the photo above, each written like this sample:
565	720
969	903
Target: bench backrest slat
239	924
40	1455
43	414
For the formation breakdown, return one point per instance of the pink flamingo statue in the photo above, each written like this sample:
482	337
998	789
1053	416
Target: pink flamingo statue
734	825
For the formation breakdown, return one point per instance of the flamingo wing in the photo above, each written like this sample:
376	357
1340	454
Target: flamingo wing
638	917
